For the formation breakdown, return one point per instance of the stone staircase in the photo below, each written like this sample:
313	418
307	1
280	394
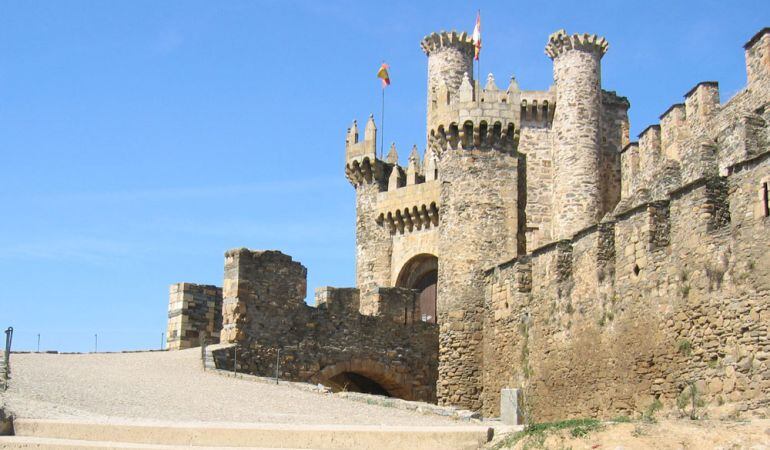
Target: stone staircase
70	434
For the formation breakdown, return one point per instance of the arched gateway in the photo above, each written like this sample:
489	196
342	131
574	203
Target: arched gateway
421	273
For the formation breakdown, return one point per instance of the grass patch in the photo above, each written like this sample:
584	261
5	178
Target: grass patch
534	435
622	419
685	347
649	414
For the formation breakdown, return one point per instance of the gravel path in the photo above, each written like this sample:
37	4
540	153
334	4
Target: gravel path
172	386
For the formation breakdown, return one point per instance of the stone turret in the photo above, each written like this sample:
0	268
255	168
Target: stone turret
577	126
450	55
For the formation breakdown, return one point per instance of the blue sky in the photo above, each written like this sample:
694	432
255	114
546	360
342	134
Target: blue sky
139	140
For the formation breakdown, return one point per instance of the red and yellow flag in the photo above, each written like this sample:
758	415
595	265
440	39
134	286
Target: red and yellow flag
477	36
383	75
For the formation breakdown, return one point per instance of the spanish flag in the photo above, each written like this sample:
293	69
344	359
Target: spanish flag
383	75
477	36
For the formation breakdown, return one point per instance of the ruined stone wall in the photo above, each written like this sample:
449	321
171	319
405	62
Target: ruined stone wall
194	314
264	312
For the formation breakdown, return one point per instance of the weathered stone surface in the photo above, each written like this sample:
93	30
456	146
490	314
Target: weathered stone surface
194	315
265	313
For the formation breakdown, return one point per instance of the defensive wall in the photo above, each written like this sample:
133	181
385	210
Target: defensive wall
672	288
264	315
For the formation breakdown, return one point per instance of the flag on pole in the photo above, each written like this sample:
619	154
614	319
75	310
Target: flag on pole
383	75
477	36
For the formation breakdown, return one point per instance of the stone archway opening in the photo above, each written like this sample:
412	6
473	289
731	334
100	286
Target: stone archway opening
367	376
355	382
421	273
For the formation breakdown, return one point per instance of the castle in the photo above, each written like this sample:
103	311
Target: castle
533	246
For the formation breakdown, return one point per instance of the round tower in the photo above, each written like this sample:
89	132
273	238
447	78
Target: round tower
576	124
450	56
475	141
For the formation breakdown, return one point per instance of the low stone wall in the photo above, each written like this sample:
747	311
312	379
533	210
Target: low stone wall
194	313
264	313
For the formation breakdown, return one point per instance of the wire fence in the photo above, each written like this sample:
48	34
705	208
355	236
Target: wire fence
87	341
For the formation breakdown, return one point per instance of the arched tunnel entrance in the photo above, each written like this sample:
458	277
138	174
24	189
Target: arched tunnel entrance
355	382
367	376
421	273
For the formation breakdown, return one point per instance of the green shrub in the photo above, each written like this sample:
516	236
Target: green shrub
685	347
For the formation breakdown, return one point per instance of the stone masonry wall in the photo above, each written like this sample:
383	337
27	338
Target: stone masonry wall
194	313
264	312
691	308
479	211
373	245
672	289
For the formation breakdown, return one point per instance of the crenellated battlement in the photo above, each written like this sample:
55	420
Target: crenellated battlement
409	208
437	41
476	118
561	42
697	139
490	105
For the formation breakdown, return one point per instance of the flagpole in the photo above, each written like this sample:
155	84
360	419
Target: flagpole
382	140
478	65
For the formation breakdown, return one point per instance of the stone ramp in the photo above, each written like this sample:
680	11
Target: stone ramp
40	433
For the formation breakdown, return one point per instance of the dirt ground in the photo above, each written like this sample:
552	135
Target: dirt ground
663	435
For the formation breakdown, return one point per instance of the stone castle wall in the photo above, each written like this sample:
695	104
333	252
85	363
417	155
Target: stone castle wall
194	314
637	309
264	312
673	288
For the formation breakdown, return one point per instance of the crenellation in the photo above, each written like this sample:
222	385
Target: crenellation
701	105
630	170
758	59
413	170
673	131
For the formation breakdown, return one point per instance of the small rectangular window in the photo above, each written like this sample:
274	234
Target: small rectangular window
765	199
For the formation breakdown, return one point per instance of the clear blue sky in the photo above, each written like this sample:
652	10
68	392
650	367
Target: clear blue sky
139	140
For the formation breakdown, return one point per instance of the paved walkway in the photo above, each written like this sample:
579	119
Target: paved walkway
172	386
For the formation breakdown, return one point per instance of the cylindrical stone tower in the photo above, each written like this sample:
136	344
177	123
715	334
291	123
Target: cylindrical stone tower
478	209
450	56
577	126
477	230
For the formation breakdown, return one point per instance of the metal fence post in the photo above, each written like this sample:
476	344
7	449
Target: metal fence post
204	341
277	364
7	356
